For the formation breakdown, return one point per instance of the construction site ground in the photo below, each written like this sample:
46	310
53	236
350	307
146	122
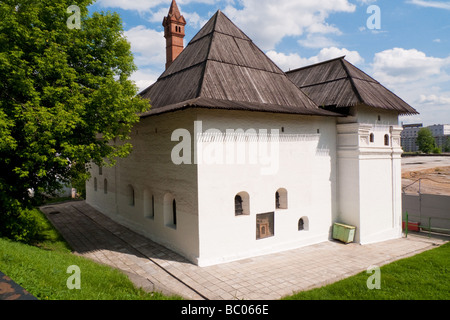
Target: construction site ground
432	171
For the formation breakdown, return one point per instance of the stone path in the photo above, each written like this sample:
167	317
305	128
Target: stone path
9	290
270	277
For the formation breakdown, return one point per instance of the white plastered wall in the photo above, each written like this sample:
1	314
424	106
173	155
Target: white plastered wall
369	175
151	172
306	169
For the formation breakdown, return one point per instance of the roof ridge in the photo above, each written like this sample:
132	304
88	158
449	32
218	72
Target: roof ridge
363	72
200	87
355	89
252	79
315	64
216	31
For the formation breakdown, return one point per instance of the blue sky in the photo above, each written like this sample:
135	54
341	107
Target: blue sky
409	53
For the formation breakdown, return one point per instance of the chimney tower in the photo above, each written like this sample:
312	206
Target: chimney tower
173	25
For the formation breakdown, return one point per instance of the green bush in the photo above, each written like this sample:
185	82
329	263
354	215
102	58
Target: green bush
18	224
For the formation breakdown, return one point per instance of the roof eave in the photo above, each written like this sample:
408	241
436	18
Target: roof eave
204	103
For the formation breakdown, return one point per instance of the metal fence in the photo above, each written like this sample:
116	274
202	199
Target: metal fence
426	212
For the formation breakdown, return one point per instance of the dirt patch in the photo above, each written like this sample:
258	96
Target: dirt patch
432	180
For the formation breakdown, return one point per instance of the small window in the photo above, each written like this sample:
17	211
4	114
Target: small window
153	206
242	204
281	199
303	224
170	211
95	184
372	138
238	206
105	186
149	205
277	200
174	212
386	140
130	195
100	170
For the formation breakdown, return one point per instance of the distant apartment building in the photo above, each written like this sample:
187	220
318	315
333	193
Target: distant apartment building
409	136
441	132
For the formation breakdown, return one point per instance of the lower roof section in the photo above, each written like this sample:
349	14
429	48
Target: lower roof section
207	103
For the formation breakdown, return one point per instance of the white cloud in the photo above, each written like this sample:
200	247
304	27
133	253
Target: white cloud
143	78
267	22
147	45
293	61
146	5
193	19
330	53
317	41
287	62
431	4
400	65
420	80
365	2
139	5
434	99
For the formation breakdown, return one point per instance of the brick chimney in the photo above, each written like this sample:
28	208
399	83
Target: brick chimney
174	33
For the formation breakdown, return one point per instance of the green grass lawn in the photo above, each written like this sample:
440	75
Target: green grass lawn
41	268
425	276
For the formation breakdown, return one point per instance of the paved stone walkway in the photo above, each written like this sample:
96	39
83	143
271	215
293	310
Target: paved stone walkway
156	268
9	290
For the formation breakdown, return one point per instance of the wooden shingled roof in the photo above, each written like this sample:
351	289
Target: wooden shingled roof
337	83
222	68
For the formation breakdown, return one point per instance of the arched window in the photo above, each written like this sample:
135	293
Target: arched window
386	139
242	204
281	199
277	200
170	211
174	211
130	195
153	206
372	137
105	186
100	170
95	184
149	205
238	205
303	224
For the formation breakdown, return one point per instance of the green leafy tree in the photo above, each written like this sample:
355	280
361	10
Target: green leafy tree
425	140
66	99
446	147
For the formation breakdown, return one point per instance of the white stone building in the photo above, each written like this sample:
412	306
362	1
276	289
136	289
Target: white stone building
236	158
